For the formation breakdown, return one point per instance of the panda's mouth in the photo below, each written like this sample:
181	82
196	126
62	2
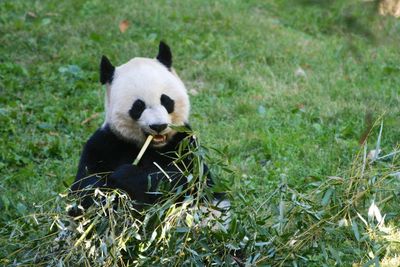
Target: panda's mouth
159	139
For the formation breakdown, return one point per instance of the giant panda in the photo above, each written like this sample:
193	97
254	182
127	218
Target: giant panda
143	97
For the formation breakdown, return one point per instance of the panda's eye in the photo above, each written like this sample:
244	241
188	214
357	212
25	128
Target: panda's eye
168	103
137	108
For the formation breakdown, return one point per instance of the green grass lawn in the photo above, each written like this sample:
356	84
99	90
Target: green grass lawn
283	88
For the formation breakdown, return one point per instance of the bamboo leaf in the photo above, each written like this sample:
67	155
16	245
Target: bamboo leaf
327	196
354	226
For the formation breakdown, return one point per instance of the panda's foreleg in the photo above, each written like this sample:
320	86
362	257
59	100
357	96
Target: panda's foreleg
134	181
83	188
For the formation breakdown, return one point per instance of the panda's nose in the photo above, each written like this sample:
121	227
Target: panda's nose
158	127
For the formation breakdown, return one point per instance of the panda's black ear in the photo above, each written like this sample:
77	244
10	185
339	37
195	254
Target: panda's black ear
106	70
164	55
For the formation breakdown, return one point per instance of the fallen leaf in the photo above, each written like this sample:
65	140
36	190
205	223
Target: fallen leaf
374	154
31	14
374	212
193	92
123	25
300	72
368	122
92	117
389	7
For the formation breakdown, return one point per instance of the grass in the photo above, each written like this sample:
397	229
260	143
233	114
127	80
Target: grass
321	224
283	88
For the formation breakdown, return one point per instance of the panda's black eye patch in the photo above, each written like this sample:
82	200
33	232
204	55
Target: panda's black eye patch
168	103
137	109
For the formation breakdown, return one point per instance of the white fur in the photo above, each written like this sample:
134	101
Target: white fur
145	79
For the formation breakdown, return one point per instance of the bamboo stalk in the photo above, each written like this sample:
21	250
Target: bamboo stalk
144	147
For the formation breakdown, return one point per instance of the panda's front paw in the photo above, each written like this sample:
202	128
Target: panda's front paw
130	179
121	177
126	171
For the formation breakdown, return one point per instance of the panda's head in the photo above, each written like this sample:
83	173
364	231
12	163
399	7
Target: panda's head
144	97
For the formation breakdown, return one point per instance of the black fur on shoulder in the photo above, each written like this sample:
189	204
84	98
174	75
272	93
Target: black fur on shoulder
106	70
164	55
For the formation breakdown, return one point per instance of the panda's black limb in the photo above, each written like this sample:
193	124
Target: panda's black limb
106	161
